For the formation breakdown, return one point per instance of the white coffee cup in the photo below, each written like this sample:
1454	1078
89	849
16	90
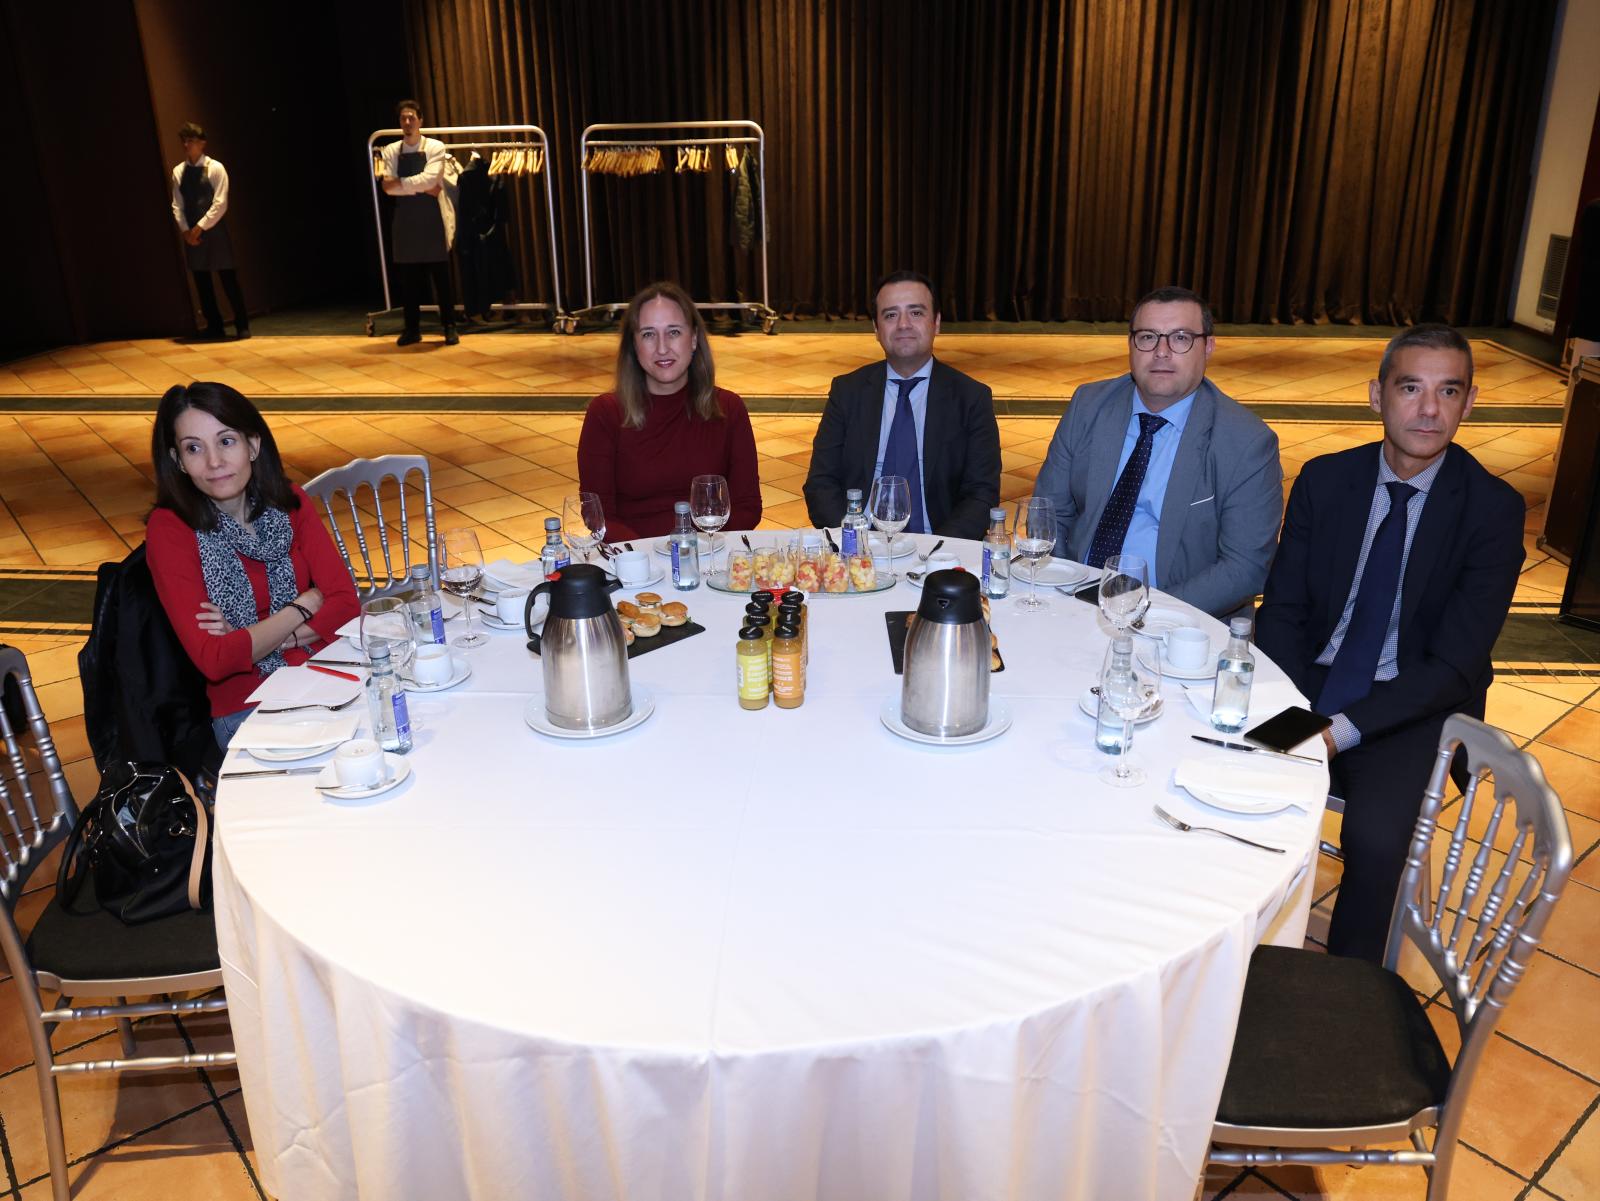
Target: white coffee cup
943	560
359	763
1188	648
511	605
433	664
632	566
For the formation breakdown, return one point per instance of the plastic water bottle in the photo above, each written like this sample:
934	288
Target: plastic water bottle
553	555
1109	729
426	606
996	556
684	545
386	703
853	529
1236	671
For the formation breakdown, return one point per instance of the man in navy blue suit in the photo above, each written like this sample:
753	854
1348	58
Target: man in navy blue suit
1393	577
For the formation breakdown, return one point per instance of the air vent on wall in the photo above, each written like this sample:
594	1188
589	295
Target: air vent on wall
1555	270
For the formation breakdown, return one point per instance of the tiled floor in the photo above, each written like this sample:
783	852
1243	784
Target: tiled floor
74	490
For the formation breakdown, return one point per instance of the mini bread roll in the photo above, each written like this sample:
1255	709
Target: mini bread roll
627	634
648	601
674	613
628	611
994	660
647	625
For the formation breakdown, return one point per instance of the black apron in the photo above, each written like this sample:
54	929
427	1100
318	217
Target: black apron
418	223
215	252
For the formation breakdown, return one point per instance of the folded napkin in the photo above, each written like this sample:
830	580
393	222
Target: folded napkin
291	730
503	573
1265	699
1252	785
302	686
352	628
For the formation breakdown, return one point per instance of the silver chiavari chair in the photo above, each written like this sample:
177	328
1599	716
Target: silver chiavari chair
374	578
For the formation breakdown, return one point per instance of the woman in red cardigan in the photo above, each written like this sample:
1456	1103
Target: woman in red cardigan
244	568
665	423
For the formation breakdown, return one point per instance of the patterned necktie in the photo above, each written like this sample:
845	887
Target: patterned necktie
1113	527
1350	674
900	455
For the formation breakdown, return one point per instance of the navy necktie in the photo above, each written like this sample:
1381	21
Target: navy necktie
1350	674
1118	513
900	455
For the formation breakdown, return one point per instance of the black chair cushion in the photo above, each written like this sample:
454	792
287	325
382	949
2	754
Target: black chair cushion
1327	1042
87	943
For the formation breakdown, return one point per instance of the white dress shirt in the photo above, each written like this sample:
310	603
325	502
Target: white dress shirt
218	175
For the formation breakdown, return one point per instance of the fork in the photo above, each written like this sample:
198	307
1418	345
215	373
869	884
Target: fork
1176	824
329	708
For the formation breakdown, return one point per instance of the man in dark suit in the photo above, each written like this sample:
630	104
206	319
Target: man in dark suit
909	416
1393	577
1161	464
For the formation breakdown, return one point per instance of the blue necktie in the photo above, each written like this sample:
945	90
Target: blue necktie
1350	674
1118	513
900	455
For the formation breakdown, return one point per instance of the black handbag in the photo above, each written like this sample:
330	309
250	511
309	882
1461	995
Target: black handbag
144	841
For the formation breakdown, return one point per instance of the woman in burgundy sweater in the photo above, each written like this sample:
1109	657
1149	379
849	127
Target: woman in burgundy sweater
244	568
665	423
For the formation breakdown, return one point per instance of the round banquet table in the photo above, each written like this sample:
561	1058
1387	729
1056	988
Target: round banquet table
751	955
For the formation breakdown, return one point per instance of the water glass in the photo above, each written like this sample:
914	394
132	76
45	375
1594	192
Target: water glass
709	507
387	620
584	521
1034	538
1124	590
889	506
461	571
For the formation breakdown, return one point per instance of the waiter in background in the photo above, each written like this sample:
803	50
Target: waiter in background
199	206
424	223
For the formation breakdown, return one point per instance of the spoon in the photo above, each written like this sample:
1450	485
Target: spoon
933	550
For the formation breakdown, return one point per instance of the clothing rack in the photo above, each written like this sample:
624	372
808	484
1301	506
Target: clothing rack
490	139
674	134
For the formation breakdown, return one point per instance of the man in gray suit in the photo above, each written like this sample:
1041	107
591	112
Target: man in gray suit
1159	463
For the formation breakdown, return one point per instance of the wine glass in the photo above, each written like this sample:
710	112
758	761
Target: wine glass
710	507
461	560
386	620
584	521
1129	688
889	506
1124	590
1035	538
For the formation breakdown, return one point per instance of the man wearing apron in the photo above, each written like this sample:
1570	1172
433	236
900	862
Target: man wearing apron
199	204
424	223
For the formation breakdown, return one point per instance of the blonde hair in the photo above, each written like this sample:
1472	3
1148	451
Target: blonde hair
631	388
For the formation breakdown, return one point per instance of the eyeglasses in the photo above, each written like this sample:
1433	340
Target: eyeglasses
1178	341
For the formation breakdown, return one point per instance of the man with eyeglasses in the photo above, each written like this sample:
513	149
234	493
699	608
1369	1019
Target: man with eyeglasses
1159	463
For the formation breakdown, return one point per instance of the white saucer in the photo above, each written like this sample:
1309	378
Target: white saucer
999	723
1180	673
664	547
463	670
397	766
1159	622
660	575
533	713
1053	573
1234	804
902	546
923	573
1089	702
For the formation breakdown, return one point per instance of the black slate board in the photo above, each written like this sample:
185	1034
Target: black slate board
668	635
895	621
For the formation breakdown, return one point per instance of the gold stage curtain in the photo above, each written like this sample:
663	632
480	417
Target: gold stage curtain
1321	160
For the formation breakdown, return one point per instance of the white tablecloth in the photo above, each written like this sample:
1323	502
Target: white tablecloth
749	955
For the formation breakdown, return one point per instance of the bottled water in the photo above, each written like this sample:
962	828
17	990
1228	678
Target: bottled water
684	544
996	556
1108	727
853	530
1236	669
426	606
386	703
553	556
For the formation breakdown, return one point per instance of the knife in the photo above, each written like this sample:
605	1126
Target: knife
276	771
1255	750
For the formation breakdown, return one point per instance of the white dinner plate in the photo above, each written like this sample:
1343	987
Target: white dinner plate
1052	573
1237	804
1205	672
527	576
463	670
533	713
397	769
655	579
903	545
289	754
999	723
1089	702
664	547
